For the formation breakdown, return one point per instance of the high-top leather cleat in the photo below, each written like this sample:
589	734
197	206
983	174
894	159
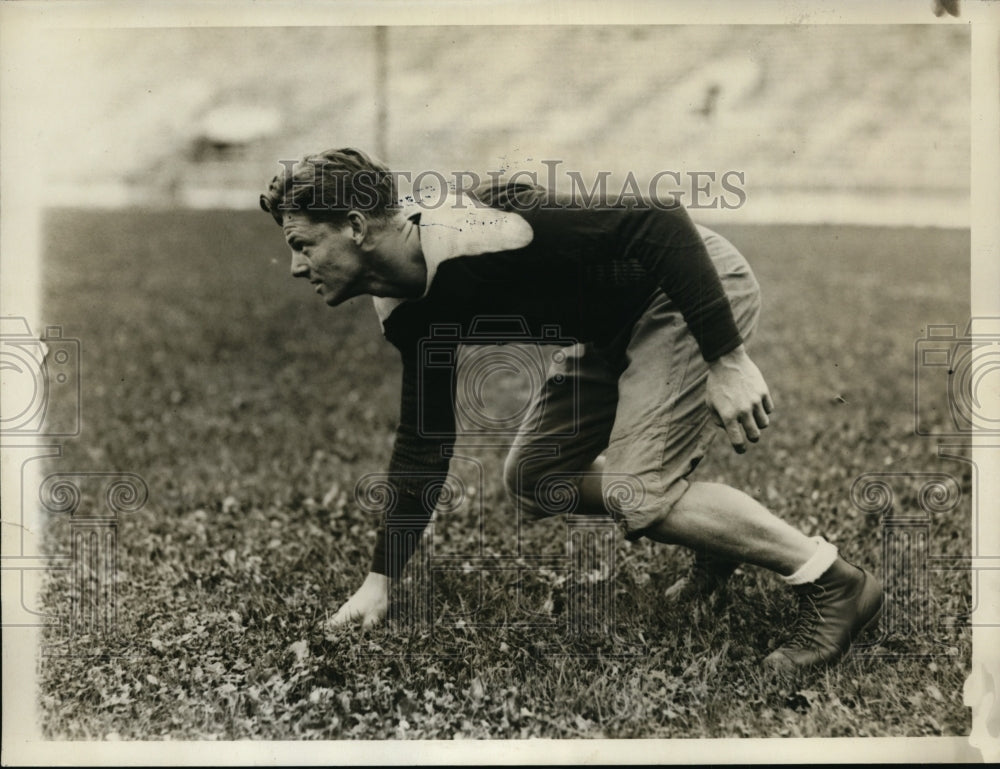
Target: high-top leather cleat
834	610
708	574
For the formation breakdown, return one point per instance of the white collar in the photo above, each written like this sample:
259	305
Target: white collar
459	227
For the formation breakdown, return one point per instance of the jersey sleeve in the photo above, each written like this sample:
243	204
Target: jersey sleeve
661	238
418	467
669	247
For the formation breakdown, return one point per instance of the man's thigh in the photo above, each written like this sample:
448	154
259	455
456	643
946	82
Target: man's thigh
566	427
663	427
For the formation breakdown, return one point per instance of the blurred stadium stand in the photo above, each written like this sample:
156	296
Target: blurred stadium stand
827	122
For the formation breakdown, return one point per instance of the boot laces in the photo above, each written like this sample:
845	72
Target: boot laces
806	621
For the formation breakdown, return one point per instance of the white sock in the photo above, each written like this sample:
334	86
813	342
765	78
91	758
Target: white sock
817	564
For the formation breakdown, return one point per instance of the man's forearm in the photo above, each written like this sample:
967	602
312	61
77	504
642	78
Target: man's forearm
418	468
399	535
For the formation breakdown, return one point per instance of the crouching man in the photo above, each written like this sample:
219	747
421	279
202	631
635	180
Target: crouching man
660	308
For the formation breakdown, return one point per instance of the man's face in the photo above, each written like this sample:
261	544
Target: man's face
328	256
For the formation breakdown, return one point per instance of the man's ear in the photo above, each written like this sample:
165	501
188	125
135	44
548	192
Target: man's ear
359	226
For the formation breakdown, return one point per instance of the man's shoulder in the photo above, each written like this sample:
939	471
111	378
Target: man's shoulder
456	230
560	215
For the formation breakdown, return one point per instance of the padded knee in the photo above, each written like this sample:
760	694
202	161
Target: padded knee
525	477
641	502
511	473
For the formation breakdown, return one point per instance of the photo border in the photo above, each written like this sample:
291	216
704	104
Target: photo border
20	249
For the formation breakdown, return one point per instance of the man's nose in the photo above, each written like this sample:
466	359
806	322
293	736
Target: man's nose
300	267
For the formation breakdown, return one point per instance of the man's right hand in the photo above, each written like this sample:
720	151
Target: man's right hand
738	396
368	605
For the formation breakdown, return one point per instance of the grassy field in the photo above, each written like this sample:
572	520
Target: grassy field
251	409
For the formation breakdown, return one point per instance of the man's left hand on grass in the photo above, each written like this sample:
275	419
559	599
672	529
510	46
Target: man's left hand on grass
367	606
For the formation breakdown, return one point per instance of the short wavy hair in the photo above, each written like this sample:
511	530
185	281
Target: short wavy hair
327	185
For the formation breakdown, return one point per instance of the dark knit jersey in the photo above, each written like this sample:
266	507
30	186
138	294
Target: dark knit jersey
579	273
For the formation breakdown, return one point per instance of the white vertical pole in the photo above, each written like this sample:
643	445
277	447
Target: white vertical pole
382	93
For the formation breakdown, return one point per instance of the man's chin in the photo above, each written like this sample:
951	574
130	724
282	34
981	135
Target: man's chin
335	300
